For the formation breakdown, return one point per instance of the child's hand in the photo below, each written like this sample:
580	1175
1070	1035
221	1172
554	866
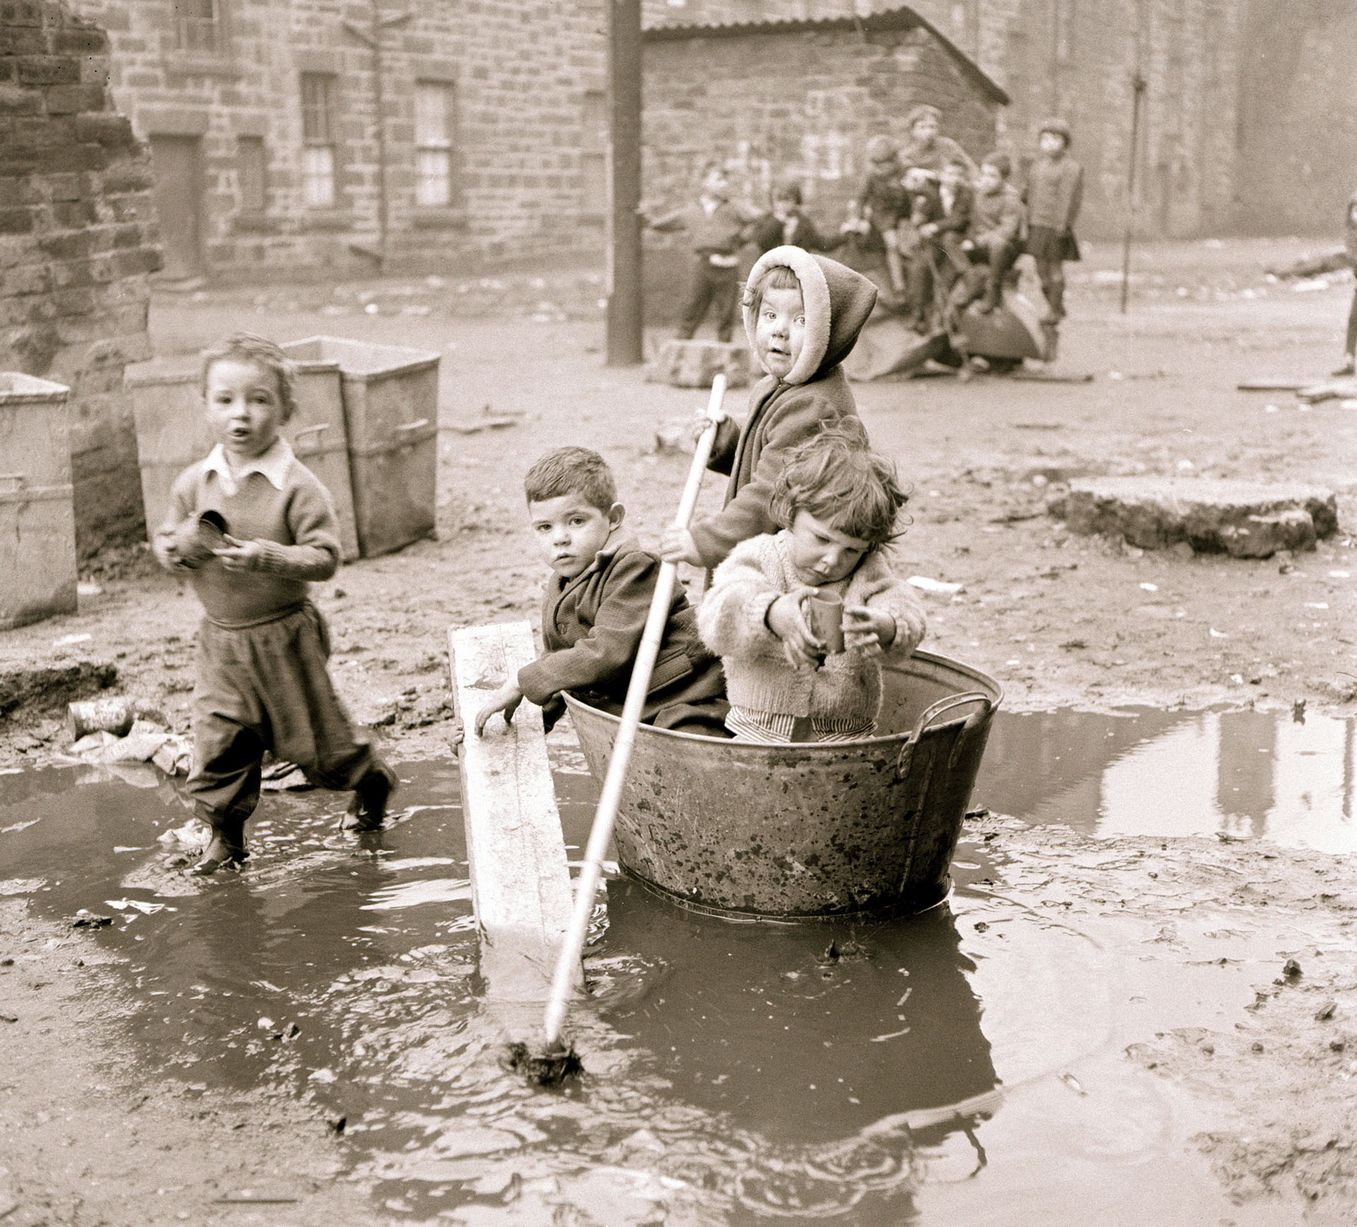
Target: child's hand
239	555
169	558
677	545
928	229
456	733
787	620
505	699
867	630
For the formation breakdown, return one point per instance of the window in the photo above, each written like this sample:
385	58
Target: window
252	168
433	144
197	25
594	154
318	147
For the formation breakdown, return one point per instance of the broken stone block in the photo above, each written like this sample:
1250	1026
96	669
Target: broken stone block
694	364
1242	518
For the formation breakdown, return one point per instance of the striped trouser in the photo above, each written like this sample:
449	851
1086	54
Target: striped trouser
778	727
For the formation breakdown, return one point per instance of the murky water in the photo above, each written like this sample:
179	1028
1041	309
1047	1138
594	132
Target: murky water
736	1073
1238	774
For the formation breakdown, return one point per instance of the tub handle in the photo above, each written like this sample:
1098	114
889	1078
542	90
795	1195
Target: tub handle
417	424
19	479
299	435
930	717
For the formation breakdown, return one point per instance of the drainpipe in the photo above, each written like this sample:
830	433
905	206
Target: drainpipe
372	39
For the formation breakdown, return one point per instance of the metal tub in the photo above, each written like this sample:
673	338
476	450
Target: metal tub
806	830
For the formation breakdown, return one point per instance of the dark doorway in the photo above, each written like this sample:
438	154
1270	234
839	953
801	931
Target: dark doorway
177	161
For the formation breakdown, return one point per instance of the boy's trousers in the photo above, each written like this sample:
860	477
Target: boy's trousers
264	688
711	285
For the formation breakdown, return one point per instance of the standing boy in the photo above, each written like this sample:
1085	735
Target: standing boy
1055	189
262	683
595	608
717	229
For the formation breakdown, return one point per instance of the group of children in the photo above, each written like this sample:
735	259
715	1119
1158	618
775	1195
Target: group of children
943	233
809	512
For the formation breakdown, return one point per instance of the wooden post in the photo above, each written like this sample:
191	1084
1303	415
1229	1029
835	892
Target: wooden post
519	874
1138	91
624	320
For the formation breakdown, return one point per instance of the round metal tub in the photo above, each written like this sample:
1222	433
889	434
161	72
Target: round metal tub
806	830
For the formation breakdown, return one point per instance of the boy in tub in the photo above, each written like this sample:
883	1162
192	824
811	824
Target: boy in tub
595	609
789	675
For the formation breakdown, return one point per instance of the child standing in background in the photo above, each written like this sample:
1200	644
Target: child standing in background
262	683
836	503
717	229
1055	189
802	314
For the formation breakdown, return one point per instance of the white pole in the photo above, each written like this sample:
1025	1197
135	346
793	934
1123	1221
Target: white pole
572	949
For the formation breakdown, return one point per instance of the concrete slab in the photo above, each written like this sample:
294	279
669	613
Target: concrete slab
1242	518
694	364
519	873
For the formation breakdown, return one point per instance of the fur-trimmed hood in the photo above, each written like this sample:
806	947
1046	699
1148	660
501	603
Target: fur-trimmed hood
837	302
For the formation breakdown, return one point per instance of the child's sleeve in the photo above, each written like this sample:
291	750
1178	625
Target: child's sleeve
723	447
733	616
180	512
1076	197
609	648
890	594
314	553
746	515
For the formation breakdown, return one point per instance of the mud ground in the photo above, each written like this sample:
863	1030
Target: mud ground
1061	620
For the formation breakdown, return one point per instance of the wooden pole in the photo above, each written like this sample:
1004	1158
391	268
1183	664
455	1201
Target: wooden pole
624	320
572	948
1137	91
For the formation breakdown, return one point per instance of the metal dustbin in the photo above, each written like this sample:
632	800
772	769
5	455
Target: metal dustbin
173	433
37	512
390	396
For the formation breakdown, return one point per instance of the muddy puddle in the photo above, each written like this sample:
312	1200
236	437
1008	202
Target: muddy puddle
1286	777
911	1071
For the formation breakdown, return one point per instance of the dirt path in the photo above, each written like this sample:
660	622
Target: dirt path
1062	620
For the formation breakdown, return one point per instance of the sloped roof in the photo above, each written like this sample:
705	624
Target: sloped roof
899	18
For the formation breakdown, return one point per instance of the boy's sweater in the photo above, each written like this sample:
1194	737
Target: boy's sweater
591	629
1055	190
274	499
733	621
784	413
996	217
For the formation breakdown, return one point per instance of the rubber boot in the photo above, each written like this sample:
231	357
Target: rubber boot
367	810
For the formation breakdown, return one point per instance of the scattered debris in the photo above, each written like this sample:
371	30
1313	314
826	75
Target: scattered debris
940	586
88	920
1326	1011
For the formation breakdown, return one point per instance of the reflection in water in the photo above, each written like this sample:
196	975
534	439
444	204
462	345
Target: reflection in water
756	1020
1242	773
734	1071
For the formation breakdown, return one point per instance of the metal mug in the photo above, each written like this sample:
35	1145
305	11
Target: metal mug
824	615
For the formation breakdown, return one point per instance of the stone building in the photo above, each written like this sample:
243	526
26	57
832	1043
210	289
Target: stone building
1079	58
77	242
799	99
353	135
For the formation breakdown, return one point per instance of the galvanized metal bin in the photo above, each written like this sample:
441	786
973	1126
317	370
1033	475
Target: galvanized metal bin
173	433
806	830
37	512
390	396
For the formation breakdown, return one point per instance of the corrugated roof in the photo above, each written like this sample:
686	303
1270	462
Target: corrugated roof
899	18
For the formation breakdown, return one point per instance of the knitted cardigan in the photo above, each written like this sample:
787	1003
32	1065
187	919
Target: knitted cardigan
732	622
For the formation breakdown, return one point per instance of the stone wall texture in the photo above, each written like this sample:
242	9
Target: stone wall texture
78	238
524	81
1078	58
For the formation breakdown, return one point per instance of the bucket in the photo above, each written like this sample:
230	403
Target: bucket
813	830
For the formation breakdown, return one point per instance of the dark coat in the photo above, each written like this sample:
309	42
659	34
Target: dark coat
591	629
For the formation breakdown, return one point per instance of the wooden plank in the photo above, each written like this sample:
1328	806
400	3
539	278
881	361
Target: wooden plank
1032	375
519	873
1281	383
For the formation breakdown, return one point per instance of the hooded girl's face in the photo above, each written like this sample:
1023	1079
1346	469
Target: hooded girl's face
924	129
780	330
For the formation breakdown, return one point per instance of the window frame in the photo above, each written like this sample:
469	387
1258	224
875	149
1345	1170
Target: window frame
435	148
319	148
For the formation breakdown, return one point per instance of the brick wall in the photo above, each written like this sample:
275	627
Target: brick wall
77	240
524	79
1077	58
793	105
